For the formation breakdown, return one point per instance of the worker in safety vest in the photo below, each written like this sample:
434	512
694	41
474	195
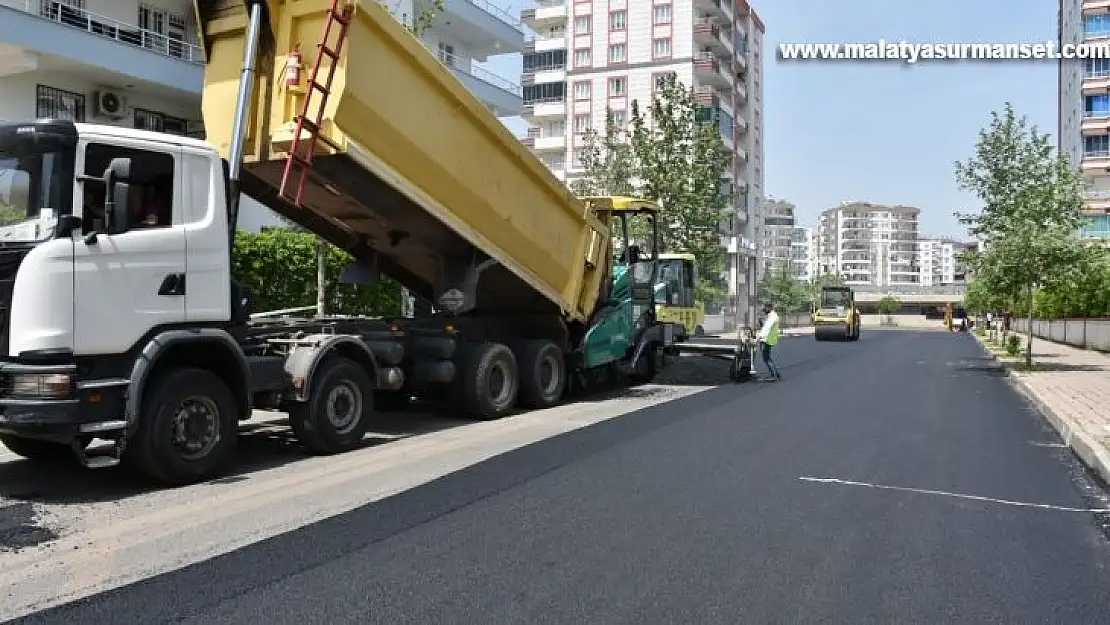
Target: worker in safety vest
768	338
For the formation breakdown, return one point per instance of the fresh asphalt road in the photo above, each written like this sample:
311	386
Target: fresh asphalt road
954	504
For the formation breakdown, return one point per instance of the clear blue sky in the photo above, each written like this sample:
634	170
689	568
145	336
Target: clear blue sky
879	130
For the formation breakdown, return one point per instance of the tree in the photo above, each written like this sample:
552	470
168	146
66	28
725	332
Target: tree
608	161
815	284
1032	198
681	163
789	295
280	267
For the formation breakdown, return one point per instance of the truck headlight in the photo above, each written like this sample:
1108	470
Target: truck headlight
46	385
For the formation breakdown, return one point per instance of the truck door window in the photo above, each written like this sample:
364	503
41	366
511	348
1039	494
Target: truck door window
152	185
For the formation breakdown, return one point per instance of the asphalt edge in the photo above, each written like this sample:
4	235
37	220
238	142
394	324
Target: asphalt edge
1085	448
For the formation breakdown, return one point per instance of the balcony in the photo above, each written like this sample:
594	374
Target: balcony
546	14
503	96
1093	7
554	39
552	69
708	68
1095	122
1096	82
46	35
482	27
1095	161
711	97
721	9
709	33
545	108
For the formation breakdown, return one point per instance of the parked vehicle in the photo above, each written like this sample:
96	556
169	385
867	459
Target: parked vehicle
122	321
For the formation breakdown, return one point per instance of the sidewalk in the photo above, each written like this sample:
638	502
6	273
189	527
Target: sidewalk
1071	387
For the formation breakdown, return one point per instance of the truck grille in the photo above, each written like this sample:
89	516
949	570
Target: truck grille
9	265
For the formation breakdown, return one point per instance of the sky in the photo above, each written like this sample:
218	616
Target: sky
882	131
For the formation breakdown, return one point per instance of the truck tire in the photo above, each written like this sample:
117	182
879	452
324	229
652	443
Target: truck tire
488	381
543	374
36	449
337	413
188	428
648	366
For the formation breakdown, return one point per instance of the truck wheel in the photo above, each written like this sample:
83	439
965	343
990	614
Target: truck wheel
648	366
336	416
188	429
489	382
542	374
36	449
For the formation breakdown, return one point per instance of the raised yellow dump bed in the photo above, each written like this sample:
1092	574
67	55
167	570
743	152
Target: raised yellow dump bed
412	171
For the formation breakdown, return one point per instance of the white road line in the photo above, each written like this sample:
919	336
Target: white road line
923	491
1041	444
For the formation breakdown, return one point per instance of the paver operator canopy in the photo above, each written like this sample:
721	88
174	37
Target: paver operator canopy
402	166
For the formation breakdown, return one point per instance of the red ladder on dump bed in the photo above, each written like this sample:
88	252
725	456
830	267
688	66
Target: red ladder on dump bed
299	159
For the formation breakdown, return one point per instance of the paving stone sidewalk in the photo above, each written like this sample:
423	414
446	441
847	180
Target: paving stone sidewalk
1071	386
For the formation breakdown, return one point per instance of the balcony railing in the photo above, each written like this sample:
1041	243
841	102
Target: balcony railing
1095	114
110	28
499	13
481	73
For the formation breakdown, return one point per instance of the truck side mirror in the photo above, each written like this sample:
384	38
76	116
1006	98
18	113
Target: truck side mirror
117	194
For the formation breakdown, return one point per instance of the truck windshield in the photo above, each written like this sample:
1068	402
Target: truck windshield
36	186
832	299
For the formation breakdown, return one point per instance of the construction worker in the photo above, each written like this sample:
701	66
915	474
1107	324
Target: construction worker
768	338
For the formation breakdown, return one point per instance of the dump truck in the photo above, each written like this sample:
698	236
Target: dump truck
121	320
674	294
835	316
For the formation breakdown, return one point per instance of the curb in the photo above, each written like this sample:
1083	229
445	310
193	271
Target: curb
1089	451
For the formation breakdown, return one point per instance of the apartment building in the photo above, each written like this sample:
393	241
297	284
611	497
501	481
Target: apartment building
138	64
776	237
803	253
587	57
1084	112
937	262
870	244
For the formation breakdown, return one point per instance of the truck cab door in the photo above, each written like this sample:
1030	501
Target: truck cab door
128	284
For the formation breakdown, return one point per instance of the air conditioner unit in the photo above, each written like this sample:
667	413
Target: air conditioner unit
110	104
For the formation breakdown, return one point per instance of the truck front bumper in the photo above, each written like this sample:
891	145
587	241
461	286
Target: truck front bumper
48	402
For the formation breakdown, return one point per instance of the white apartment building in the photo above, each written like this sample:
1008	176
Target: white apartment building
937	262
591	56
1084	123
870	244
776	237
137	63
803	246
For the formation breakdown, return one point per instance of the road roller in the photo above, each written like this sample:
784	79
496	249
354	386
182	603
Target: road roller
835	316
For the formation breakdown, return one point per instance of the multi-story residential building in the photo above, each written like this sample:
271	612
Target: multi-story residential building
138	64
592	56
803	253
1084	112
936	262
870	244
776	237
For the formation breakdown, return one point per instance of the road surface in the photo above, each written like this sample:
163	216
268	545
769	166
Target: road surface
895	479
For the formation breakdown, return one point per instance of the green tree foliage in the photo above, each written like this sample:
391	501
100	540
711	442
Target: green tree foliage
279	266
1031	198
889	306
671	156
814	286
789	294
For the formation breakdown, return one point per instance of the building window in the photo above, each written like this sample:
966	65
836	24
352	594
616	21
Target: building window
54	103
544	92
582	57
582	123
1096	145
1096	105
618	87
1096	68
582	25
662	14
1096	25
661	48
618	53
582	90
618	20
619	118
163	31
